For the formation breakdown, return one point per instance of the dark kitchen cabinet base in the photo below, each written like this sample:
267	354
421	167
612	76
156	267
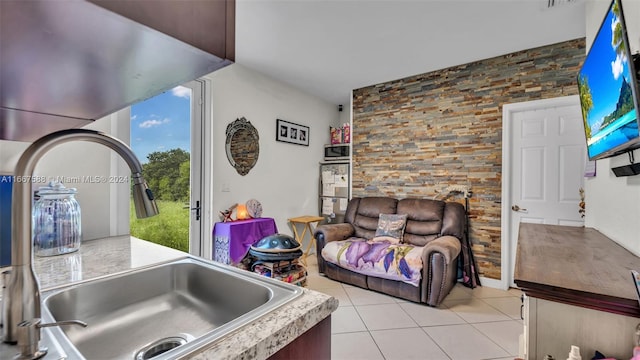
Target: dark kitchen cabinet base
314	344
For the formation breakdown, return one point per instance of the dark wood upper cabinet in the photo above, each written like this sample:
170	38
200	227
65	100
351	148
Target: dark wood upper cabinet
206	24
64	64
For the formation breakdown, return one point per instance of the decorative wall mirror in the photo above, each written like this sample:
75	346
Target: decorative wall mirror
242	145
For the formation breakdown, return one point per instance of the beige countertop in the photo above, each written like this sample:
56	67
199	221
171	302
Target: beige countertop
256	340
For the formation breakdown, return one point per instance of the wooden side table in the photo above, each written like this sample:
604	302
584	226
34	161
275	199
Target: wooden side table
308	224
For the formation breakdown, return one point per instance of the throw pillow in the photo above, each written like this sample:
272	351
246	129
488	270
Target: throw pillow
390	228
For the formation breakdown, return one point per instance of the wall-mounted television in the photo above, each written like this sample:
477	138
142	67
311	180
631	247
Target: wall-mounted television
608	90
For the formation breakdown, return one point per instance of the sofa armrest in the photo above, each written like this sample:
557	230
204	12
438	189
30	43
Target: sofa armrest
440	264
448	246
328	233
334	232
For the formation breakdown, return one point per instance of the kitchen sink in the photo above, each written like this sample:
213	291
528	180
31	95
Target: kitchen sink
164	311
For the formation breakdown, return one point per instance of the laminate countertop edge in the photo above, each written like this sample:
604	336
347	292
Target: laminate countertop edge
256	340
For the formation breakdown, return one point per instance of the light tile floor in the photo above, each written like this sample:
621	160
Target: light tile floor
471	324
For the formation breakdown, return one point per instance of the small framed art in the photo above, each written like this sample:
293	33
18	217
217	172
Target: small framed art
292	133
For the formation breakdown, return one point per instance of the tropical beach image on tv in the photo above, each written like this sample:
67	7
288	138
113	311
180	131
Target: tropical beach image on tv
606	86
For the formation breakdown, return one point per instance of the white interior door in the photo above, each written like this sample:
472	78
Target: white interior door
545	167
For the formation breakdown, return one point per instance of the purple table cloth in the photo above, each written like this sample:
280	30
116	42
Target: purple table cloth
232	240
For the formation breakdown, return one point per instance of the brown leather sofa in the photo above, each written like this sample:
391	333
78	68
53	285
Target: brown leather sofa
437	225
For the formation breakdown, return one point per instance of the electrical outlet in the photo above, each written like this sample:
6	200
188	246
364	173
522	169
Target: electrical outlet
226	187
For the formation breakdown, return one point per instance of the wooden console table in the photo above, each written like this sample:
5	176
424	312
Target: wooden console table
578	291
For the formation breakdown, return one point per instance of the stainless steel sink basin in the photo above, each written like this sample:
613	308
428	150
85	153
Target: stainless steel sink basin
165	311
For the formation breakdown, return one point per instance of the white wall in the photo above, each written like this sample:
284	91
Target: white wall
613	204
344	117
104	205
285	177
284	180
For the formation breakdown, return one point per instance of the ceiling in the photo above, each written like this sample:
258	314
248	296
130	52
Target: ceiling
329	47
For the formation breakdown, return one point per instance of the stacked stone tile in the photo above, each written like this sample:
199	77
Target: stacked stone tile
415	136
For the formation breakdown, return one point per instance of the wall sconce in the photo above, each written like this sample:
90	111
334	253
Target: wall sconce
241	212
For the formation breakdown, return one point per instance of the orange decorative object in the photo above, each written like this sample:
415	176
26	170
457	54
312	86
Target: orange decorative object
241	212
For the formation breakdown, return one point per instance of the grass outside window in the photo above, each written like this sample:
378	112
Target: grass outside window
169	228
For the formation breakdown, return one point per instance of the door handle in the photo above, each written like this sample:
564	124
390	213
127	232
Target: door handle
517	208
197	209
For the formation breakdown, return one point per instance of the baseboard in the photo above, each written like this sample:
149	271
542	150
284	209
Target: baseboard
493	283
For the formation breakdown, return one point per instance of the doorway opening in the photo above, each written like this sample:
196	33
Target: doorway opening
166	135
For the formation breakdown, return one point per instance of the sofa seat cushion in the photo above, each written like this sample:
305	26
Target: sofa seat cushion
401	262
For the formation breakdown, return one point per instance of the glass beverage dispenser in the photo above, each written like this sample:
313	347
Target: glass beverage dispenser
56	221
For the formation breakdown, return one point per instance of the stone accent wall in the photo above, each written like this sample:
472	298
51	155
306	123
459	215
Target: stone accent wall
415	136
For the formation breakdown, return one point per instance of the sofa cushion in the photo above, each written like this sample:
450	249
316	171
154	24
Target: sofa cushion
390	228
399	262
424	219
364	214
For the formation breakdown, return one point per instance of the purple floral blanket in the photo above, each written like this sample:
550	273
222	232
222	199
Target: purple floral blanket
402	262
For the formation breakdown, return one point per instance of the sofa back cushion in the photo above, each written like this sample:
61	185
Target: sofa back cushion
363	214
426	219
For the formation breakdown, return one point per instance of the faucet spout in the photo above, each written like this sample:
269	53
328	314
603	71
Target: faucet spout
22	298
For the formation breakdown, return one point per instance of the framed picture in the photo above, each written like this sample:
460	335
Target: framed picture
292	133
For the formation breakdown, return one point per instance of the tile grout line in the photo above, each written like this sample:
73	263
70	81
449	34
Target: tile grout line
490	339
507	315
355	307
435	342
343	287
